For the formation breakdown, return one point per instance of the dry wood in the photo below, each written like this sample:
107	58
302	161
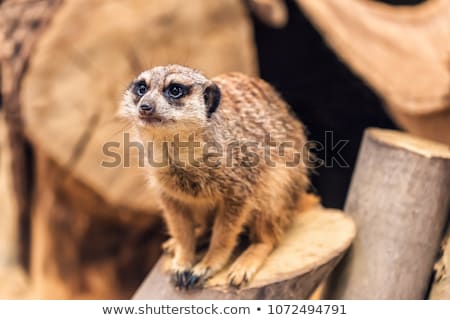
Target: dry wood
81	68
440	289
83	248
309	251
399	197
21	23
402	52
93	227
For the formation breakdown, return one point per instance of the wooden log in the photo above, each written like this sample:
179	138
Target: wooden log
399	197
440	288
309	251
82	247
402	52
81	68
21	24
95	229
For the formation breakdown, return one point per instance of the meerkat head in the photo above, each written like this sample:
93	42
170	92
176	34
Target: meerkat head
170	98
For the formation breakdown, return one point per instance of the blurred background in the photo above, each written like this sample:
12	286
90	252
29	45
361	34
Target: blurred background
70	228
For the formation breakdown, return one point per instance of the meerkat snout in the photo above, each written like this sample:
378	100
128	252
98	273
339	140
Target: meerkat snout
146	109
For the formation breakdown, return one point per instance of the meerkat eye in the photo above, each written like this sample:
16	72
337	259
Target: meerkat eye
140	88
176	91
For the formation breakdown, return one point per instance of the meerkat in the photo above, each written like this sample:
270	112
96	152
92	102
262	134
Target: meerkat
235	191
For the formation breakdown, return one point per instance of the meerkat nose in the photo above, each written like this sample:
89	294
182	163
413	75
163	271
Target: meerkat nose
146	108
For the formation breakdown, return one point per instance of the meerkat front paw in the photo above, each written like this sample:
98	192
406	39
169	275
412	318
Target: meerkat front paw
183	279
205	270
181	274
239	275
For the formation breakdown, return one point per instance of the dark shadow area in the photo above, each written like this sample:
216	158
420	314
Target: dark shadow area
323	92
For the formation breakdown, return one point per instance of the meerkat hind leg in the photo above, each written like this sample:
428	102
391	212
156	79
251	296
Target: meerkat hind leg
248	263
228	224
264	234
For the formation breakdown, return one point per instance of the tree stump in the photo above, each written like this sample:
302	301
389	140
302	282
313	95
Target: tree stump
311	248
95	231
399	198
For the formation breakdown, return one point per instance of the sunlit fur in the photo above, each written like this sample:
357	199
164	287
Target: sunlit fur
227	199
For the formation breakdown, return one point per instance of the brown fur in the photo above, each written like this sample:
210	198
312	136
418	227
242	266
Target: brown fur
261	198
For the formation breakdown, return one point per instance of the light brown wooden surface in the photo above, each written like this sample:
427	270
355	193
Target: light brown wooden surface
399	198
402	52
311	248
81	67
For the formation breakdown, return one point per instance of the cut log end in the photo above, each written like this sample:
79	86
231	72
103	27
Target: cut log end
309	251
423	147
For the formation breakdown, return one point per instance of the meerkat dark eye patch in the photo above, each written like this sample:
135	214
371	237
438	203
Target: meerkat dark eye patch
176	91
140	88
212	99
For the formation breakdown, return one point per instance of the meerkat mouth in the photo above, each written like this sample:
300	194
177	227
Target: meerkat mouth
151	120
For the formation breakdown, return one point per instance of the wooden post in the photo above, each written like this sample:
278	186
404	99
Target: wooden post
399	198
311	248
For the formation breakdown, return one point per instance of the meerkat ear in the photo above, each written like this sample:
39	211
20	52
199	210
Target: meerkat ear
212	98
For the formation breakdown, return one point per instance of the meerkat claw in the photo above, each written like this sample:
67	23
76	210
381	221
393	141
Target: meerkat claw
192	282
238	281
181	279
200	276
